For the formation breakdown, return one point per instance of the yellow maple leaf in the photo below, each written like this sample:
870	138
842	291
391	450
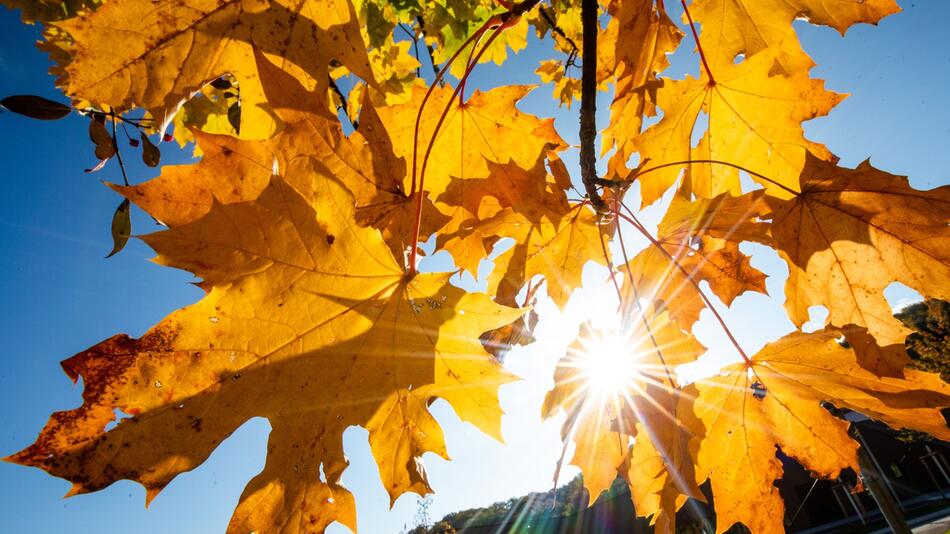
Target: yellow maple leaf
605	412
698	241
632	50
776	401
364	162
308	321
733	27
531	194
487	127
754	119
661	471
557	250
566	88
852	232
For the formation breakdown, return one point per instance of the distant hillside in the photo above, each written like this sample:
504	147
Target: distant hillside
558	512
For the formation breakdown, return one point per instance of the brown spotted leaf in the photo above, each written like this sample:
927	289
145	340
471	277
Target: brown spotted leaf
315	334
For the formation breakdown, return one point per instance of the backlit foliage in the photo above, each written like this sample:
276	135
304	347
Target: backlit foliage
303	220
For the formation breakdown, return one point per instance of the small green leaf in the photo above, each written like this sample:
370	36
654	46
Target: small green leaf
36	107
150	153
121	227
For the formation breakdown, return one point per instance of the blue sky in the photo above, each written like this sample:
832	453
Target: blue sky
60	295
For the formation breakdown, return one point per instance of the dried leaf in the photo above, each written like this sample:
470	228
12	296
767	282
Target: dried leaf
105	148
36	107
151	156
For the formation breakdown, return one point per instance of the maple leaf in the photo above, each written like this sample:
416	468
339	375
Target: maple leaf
776	400
662	473
364	162
698	241
487	127
487	130
733	27
754	117
566	88
556	250
852	232
531	194
308	321
180	46
451	23
633	49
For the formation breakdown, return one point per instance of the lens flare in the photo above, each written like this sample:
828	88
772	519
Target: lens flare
608	364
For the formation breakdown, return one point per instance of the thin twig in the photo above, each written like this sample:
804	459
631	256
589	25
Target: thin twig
415	47
556	30
115	146
589	105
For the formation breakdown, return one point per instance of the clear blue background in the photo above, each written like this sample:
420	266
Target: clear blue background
60	296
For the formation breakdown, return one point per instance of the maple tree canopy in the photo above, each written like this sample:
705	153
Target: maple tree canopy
305	215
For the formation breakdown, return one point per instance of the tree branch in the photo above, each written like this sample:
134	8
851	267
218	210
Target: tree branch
589	105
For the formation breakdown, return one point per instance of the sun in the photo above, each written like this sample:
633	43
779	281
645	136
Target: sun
608	364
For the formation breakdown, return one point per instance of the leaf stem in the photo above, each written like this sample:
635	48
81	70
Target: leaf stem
699	46
115	146
636	295
610	265
619	183
632	219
